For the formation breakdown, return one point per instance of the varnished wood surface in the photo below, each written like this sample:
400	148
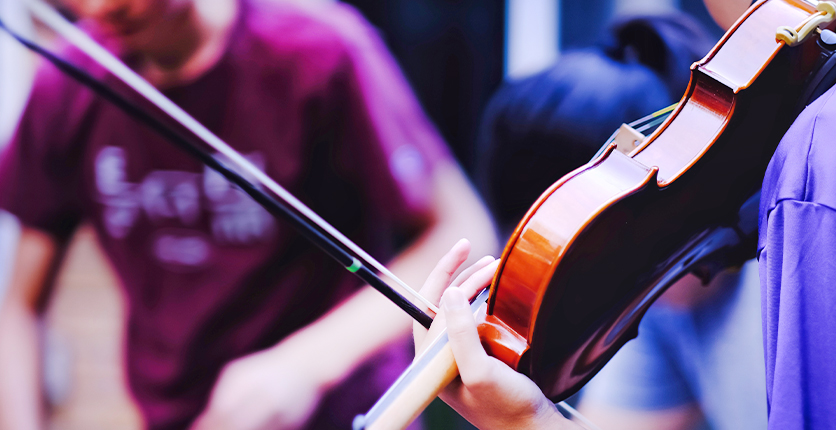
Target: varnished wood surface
599	240
439	372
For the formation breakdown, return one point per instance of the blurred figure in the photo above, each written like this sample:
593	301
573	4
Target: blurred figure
698	356
541	127
697	362
234	321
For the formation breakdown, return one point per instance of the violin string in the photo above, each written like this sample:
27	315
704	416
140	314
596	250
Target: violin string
641	125
104	58
574	413
651	124
652	116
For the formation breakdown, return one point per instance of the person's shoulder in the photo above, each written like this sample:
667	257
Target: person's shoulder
50	80
56	99
323	32
802	167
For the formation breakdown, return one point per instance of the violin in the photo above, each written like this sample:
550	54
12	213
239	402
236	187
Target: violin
602	243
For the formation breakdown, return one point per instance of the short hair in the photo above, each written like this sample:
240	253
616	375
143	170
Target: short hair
537	129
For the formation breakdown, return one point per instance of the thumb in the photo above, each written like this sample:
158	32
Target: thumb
464	337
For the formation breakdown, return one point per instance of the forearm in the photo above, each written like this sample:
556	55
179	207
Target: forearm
363	324
333	346
366	322
20	394
20	397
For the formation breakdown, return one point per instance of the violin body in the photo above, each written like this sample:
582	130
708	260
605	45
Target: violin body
605	241
601	244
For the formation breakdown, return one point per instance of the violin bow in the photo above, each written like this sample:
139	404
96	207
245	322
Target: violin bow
281	204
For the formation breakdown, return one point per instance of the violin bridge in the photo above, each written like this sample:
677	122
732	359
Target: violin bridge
627	139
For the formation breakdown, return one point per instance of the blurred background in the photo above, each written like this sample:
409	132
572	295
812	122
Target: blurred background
455	54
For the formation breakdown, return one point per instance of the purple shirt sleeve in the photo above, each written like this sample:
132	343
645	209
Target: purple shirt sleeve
797	264
798	274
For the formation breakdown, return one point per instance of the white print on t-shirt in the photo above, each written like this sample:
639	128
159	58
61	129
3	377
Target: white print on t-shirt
166	195
121	207
181	251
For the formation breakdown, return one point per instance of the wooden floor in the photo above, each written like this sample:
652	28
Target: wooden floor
83	360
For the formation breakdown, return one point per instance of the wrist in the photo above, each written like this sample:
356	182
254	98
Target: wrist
332	347
547	417
317	363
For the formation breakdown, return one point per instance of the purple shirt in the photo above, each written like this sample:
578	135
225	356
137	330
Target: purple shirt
312	97
797	254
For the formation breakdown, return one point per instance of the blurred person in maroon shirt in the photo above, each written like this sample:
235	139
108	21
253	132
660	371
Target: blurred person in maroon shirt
234	321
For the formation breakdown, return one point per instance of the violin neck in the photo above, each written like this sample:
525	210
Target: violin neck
419	385
417	388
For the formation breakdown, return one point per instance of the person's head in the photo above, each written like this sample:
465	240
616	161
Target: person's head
537	129
134	23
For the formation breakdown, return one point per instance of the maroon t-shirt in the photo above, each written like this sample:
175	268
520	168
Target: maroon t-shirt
312	97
